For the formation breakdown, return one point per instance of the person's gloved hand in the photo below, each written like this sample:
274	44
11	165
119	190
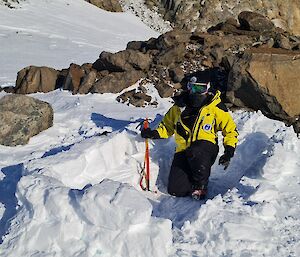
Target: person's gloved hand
148	133
225	158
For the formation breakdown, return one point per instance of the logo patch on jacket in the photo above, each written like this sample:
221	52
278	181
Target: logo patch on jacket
207	127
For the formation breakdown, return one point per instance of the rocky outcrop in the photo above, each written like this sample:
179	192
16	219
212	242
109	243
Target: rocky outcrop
200	15
21	118
107	5
241	48
34	79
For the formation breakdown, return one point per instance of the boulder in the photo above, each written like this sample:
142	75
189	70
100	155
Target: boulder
123	61
107	5
117	81
266	80
255	21
171	39
164	90
73	79
34	79
172	55
21	118
88	82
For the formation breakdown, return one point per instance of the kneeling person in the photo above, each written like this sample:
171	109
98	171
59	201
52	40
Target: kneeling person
195	118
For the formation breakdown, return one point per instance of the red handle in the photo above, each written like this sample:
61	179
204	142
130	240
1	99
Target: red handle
147	159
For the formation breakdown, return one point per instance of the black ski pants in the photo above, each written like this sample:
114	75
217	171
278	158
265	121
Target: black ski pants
191	168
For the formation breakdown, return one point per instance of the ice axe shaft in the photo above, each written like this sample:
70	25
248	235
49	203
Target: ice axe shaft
146	170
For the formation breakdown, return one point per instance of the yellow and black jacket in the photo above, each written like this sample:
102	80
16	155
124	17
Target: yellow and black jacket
211	118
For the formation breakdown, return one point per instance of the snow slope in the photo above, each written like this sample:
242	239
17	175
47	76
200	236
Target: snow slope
56	33
73	190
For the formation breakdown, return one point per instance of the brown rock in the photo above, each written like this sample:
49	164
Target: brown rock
164	90
255	21
172	39
172	55
277	72
34	79
266	80
88	82
200	15
74	77
117	81
122	61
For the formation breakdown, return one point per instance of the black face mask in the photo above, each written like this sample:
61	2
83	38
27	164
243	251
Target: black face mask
181	99
197	100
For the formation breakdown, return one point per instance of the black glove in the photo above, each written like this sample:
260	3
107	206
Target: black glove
225	158
148	133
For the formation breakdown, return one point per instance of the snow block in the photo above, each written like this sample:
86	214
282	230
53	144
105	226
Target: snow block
107	219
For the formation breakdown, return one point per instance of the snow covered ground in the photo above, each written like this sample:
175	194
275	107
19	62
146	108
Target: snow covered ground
73	190
56	33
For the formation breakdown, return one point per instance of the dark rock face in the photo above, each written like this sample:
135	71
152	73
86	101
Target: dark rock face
21	118
107	5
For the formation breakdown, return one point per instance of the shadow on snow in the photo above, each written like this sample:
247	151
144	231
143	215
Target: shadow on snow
8	188
103	121
100	121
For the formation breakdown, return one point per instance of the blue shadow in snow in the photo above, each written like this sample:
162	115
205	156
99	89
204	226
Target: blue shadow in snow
8	187
75	196
118	125
102	121
57	150
248	161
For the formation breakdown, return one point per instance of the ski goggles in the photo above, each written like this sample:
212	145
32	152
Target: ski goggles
199	88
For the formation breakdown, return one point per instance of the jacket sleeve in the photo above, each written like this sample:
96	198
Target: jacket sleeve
226	124
166	128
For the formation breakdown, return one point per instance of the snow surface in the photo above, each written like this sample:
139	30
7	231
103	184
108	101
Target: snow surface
73	189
